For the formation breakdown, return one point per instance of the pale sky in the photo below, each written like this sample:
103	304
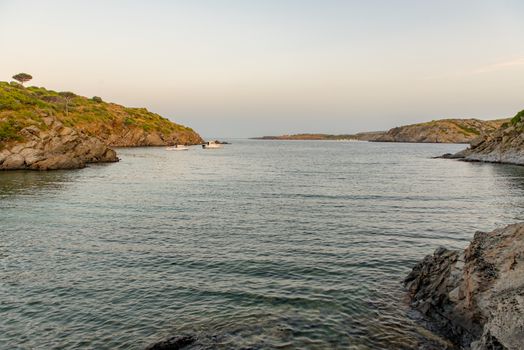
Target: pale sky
250	68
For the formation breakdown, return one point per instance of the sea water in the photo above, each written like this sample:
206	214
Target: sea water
260	244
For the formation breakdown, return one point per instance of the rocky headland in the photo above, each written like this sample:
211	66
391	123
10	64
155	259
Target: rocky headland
504	145
441	131
475	297
42	129
436	131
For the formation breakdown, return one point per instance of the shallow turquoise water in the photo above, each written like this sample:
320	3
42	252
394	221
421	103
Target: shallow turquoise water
257	245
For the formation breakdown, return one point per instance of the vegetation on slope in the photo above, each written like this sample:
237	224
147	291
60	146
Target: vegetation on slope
518	118
442	131
21	107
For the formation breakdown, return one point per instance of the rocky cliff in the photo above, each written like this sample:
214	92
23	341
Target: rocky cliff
55	146
42	129
505	145
114	124
475	296
441	131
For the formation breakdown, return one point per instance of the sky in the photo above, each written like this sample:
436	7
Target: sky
243	68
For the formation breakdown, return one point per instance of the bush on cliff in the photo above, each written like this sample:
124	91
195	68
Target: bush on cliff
9	130
518	118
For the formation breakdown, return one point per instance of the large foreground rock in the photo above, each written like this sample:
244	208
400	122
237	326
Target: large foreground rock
57	147
476	297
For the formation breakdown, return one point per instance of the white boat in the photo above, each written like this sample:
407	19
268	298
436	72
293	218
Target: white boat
211	144
177	148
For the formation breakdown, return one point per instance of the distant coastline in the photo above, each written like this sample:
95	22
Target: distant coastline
436	131
363	136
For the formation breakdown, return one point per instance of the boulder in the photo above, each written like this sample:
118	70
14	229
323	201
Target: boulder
13	161
60	161
32	155
3	155
475	297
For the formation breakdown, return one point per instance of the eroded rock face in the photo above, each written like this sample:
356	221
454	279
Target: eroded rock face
59	147
120	136
505	145
476	297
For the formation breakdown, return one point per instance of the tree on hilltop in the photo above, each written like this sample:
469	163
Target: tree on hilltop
67	96
22	77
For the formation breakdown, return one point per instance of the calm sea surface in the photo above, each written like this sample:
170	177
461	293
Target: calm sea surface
262	244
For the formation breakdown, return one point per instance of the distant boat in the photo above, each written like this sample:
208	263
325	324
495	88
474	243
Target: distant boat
177	148
211	144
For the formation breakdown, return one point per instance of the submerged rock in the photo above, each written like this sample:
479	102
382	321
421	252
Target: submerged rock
172	343
475	297
58	147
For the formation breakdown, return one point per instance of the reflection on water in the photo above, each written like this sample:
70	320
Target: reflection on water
31	182
512	176
257	245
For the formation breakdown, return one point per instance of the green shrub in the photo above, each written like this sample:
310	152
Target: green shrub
97	99
9	130
468	130
128	121
9	103
518	118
